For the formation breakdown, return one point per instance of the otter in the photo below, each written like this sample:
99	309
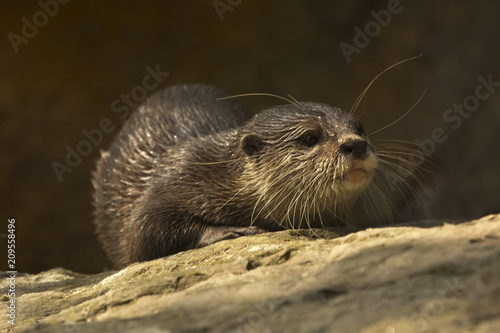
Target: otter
190	168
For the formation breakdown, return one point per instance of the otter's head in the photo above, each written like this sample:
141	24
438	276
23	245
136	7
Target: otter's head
305	163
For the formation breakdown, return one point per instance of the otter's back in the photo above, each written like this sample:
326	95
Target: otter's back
184	112
166	119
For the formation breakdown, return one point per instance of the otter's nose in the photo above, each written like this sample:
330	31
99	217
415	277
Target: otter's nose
355	148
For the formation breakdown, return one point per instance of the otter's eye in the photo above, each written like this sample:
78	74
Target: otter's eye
310	138
359	128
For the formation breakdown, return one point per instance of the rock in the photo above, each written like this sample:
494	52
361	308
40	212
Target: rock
428	276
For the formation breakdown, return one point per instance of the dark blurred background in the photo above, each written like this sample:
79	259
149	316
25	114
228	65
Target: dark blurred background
65	76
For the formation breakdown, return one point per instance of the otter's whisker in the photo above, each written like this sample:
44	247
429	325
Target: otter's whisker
291	101
392	174
213	163
360	97
395	121
230	199
380	200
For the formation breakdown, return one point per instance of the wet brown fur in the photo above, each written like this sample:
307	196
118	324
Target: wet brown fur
188	169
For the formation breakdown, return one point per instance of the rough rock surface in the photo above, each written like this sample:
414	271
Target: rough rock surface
428	276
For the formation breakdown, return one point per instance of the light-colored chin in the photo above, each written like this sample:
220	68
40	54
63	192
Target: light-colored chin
361	173
356	176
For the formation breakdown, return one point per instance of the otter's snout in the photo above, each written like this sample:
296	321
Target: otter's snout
356	148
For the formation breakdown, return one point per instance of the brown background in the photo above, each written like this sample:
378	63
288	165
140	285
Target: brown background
66	77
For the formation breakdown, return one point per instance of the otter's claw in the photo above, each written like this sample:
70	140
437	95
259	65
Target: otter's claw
214	234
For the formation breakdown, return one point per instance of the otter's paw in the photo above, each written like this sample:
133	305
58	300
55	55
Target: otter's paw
214	234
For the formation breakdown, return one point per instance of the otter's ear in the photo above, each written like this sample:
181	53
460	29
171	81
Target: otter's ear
251	144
